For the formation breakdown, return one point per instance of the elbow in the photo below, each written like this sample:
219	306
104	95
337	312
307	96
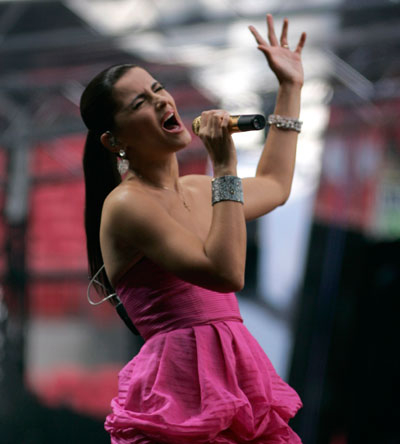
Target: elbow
235	278
233	284
284	196
226	275
283	201
238	285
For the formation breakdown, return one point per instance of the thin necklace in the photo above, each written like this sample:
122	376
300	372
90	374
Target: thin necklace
180	192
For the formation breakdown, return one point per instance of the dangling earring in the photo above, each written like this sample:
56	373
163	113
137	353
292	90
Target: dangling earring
123	162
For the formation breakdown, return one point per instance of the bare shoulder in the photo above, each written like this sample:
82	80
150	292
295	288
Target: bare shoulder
128	203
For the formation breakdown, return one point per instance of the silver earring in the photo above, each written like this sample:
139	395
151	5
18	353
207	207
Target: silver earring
123	162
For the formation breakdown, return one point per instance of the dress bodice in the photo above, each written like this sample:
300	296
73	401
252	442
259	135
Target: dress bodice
158	301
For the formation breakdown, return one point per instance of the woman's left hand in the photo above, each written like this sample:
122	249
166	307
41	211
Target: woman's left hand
286	64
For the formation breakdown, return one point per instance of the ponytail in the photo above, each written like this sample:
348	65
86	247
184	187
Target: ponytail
98	108
101	177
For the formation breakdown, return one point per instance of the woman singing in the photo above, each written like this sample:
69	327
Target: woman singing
174	251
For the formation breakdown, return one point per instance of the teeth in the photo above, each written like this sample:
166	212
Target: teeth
171	115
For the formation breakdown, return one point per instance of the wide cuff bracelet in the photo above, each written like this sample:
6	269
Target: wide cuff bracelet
227	188
285	123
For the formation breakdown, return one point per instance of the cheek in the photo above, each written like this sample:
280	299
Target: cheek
141	126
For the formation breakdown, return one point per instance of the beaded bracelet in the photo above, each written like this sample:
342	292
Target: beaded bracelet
285	123
226	188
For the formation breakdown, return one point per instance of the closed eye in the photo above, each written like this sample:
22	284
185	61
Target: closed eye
138	104
159	87
155	87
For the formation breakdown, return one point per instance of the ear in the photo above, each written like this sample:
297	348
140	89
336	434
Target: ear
109	142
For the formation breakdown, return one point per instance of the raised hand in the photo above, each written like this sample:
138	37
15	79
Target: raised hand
286	64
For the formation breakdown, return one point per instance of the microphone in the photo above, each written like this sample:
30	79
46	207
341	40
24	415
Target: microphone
244	122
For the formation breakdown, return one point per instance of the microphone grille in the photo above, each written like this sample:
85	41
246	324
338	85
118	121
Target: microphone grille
196	125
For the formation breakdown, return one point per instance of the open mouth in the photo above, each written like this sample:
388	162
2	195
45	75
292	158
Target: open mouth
171	123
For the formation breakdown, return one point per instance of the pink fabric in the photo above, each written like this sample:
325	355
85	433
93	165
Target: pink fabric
200	377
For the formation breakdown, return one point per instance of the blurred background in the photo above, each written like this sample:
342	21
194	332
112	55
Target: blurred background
323	271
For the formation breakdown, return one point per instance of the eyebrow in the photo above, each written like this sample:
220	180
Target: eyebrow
139	96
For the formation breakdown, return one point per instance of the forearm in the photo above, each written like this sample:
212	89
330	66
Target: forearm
225	245
279	154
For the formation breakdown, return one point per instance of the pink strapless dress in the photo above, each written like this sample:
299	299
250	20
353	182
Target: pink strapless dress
200	376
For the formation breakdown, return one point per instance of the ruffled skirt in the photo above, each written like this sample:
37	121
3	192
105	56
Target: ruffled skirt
209	383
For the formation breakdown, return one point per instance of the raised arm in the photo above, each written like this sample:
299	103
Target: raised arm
271	186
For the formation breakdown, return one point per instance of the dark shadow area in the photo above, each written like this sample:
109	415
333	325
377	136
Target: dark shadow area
345	366
32	423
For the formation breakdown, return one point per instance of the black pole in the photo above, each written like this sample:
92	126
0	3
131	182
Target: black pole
13	304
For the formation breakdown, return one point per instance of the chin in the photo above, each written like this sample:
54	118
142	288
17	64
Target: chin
188	137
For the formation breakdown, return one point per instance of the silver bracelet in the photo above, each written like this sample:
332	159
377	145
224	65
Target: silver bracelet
285	123
226	188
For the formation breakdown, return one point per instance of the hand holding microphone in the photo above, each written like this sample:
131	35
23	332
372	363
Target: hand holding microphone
244	122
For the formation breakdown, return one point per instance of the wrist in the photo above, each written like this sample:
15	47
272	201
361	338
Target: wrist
291	85
226	188
285	123
224	170
288	100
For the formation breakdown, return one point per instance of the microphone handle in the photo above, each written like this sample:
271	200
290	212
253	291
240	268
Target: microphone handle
244	122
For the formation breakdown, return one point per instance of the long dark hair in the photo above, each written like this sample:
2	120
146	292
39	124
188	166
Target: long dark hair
98	108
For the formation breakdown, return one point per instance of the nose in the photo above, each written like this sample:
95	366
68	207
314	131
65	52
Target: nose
159	100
